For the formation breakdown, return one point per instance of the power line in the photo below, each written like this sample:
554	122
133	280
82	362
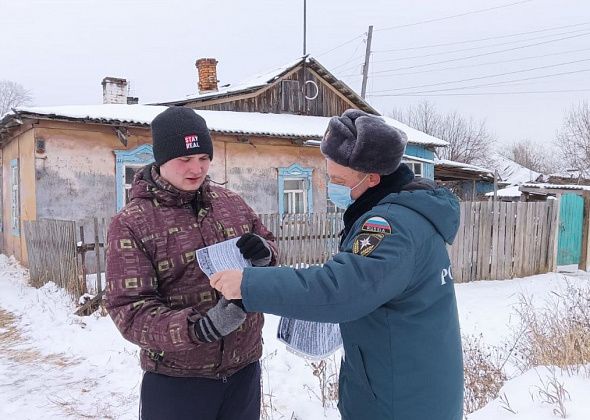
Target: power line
488	76
491	84
357	66
455	16
341	45
481	39
491	93
481	47
489	63
481	55
347	65
351	58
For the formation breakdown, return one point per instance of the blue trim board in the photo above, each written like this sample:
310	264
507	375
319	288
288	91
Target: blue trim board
141	155
296	171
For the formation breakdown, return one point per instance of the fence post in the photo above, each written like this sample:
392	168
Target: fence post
97	249
585	258
555	232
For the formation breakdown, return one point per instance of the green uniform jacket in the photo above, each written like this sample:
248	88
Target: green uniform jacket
391	289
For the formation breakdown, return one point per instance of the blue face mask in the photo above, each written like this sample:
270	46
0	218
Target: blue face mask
340	195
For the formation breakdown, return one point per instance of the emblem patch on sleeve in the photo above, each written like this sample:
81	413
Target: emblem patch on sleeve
376	225
365	243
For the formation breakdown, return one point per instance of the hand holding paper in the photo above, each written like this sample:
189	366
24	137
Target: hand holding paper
228	282
221	256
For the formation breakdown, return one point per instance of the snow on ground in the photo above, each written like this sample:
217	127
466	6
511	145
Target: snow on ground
55	365
523	399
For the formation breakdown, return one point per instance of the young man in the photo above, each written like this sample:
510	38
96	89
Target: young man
199	352
390	287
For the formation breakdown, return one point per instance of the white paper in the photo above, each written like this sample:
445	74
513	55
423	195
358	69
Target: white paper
311	340
221	256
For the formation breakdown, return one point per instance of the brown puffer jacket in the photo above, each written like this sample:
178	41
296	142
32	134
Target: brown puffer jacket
155	289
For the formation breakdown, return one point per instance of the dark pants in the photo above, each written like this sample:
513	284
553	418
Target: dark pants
170	398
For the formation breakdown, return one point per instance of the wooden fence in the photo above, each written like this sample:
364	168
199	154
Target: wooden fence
499	240
51	249
496	240
92	251
305	239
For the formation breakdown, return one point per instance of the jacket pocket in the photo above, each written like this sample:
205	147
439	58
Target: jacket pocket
353	360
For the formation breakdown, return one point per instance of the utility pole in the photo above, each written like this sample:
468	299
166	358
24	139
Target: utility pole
366	66
304	26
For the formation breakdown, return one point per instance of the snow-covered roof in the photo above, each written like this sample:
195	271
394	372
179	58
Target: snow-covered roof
574	174
416	136
244	123
512	191
253	85
460	165
512	172
245	85
557	186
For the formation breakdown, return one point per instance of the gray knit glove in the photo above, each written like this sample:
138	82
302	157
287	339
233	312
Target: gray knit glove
219	321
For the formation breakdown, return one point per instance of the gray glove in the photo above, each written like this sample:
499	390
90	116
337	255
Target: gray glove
219	321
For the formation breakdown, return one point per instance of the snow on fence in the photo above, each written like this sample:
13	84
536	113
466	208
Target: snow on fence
502	240
496	240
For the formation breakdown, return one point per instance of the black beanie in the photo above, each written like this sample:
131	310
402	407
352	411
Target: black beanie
177	132
364	142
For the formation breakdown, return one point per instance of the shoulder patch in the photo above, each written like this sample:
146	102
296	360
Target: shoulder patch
365	243
376	225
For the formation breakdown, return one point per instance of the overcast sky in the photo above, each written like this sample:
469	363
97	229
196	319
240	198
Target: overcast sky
61	49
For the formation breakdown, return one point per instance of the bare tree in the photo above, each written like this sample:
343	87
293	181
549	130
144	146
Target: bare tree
574	139
13	94
530	155
469	140
423	117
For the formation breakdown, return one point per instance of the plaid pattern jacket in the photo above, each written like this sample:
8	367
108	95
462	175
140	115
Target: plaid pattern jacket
155	289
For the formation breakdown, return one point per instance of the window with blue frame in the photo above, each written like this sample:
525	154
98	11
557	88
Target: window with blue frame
128	162
295	189
15	197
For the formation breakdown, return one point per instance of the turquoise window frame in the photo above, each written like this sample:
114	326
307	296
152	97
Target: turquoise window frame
299	172
141	155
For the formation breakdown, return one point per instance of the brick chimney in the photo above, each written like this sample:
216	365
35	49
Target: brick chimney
207	69
114	90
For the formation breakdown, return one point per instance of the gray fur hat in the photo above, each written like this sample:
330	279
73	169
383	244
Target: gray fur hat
364	142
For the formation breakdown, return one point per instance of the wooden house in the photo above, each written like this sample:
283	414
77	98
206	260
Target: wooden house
76	162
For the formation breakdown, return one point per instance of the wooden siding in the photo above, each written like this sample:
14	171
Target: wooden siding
285	98
419	151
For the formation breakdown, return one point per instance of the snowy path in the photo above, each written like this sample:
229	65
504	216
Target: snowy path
24	372
55	365
53	384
